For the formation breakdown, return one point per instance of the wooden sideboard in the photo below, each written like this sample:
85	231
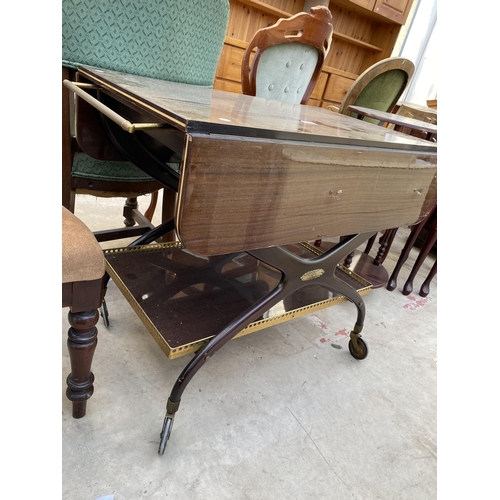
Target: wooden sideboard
365	32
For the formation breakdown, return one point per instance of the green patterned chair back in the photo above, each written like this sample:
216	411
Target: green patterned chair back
174	40
379	87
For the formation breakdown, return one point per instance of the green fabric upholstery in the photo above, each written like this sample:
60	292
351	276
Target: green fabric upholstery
89	168
382	92
174	40
285	70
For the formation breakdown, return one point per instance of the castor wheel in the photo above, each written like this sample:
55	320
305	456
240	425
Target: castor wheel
104	314
358	350
165	434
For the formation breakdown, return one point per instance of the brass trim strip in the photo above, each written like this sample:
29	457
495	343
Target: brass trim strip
177	352
295	313
130	97
126	125
151	247
311	248
180	192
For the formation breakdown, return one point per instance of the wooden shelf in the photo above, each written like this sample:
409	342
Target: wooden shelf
361	37
339	72
355	41
240	43
266	8
235	42
283	13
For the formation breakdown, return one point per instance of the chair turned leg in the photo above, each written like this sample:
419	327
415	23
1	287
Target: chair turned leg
431	239
425	288
131	204
82	341
415	232
152	206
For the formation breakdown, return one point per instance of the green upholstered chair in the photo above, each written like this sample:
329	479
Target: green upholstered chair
171	40
288	57
379	87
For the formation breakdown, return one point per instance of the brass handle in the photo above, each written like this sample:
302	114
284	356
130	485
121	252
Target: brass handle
78	87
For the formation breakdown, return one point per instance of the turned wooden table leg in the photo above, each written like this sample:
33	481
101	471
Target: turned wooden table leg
385	246
82	341
348	260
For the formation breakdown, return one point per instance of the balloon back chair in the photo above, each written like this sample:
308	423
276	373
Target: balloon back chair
379	87
288	57
166	39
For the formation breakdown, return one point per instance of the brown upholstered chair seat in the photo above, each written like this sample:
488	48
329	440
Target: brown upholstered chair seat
82	257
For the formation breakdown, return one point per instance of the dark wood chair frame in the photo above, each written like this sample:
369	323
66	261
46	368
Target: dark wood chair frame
431	222
83	298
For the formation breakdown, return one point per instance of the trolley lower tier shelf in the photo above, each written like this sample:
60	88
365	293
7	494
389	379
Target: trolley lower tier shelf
184	300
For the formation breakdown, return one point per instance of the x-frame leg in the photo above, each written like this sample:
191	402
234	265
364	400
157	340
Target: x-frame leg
296	273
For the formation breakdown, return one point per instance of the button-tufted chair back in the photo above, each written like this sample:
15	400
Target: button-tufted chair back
288	57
